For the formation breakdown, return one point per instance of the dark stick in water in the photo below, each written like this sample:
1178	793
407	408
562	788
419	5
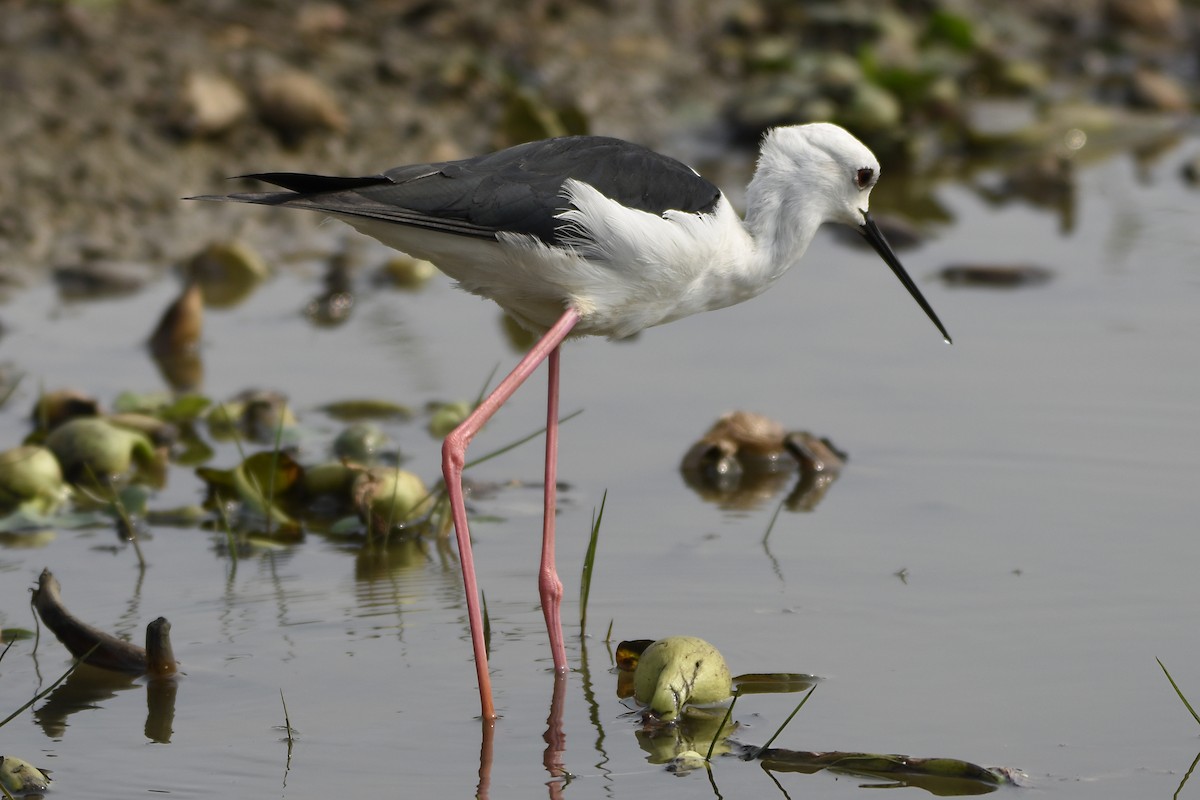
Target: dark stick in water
110	653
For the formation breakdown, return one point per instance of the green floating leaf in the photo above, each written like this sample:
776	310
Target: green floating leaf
140	403
180	517
15	634
270	472
446	417
259	483
223	419
346	526
192	449
774	683
355	410
28	521
186	408
163	405
939	776
262	543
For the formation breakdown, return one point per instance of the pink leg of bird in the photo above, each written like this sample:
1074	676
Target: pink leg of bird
454	452
550	588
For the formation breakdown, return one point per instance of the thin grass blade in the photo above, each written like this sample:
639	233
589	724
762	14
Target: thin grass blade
589	561
795	711
487	627
728	713
275	467
1179	692
483	390
287	722
771	524
518	442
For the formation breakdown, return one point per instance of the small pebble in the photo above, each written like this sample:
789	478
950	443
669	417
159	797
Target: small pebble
1157	91
208	105
295	104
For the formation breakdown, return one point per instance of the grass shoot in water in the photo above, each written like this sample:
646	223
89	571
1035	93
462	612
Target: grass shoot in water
795	711
1178	691
589	561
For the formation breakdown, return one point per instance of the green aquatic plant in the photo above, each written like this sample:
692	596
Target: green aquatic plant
125	522
712	745
360	442
440	512
1178	691
259	483
93	447
515	444
448	416
18	775
230	539
168	407
31	478
680	671
487	625
942	777
795	711
589	561
366	408
274	472
287	722
390	495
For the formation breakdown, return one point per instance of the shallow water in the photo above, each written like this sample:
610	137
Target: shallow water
1010	546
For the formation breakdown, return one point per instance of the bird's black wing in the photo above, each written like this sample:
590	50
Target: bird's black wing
518	190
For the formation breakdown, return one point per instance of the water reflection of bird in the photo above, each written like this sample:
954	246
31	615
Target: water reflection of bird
589	235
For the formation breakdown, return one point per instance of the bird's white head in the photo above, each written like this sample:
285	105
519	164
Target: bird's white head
825	168
808	175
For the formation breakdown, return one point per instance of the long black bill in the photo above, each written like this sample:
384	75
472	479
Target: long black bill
872	234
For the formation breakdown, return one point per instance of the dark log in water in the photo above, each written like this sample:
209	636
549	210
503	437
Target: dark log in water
157	659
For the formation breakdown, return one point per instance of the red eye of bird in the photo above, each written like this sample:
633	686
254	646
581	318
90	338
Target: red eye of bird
863	177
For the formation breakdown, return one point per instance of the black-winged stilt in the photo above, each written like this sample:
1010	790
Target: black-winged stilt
587	235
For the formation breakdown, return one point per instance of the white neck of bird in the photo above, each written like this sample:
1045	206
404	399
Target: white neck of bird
781	222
